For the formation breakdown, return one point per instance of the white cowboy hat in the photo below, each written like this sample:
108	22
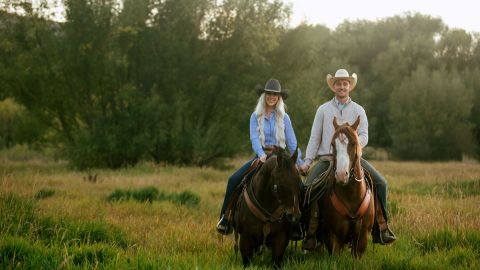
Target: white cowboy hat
342	74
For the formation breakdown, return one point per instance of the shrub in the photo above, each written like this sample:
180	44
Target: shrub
98	232
150	194
186	198
145	194
119	195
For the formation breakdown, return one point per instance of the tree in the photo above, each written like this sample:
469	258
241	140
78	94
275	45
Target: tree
429	116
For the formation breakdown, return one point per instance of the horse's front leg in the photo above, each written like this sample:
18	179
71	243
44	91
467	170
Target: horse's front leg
246	249
248	245
334	243
359	248
279	245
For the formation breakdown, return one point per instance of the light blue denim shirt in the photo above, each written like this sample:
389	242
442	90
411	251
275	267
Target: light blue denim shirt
269	129
340	105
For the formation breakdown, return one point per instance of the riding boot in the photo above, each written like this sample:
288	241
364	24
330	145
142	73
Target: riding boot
223	226
381	232
310	241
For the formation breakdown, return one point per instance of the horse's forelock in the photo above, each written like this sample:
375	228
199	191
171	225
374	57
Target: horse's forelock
347	131
283	160
352	137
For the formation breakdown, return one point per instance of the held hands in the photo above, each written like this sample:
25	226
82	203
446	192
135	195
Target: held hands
304	169
263	158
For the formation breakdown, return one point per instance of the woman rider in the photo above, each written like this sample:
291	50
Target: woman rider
270	126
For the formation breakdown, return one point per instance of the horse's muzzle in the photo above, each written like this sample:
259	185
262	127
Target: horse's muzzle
342	177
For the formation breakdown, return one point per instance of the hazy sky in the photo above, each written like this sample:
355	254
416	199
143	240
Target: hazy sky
454	13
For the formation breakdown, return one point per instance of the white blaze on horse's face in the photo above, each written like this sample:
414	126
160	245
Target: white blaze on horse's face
342	171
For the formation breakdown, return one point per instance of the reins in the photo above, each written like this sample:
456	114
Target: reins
258	211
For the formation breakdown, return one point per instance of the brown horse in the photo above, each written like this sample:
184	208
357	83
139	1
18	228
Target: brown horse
268	207
347	213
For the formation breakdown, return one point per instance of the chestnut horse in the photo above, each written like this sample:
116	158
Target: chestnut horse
268	207
347	213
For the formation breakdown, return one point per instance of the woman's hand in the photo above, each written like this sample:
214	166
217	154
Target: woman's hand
263	158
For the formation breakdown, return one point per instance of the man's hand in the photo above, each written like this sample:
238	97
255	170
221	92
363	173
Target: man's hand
263	158
304	169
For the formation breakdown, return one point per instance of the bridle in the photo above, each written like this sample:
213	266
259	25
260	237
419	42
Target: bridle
278	215
356	156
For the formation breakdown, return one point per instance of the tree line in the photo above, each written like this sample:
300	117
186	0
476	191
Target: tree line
173	81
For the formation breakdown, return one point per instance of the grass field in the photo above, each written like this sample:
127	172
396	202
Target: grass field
163	217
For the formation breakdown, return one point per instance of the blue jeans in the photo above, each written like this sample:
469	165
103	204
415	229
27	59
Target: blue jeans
378	180
233	181
380	184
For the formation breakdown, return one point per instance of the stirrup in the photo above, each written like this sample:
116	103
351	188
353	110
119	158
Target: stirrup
223	226
383	237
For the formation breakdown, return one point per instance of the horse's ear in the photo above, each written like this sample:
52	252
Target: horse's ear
357	122
295	155
335	124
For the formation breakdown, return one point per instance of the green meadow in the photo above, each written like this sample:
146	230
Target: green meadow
163	217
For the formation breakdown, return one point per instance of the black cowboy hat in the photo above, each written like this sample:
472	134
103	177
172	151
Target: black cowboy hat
272	86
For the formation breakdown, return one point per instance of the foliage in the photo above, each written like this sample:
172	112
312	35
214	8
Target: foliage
427	122
172	81
18	126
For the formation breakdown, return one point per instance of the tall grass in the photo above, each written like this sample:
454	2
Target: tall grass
433	207
454	189
44	193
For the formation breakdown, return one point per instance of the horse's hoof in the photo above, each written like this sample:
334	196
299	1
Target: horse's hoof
310	243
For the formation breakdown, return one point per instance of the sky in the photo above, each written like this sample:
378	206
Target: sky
462	14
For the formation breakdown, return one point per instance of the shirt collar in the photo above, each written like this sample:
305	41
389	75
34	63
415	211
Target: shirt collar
339	105
272	114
